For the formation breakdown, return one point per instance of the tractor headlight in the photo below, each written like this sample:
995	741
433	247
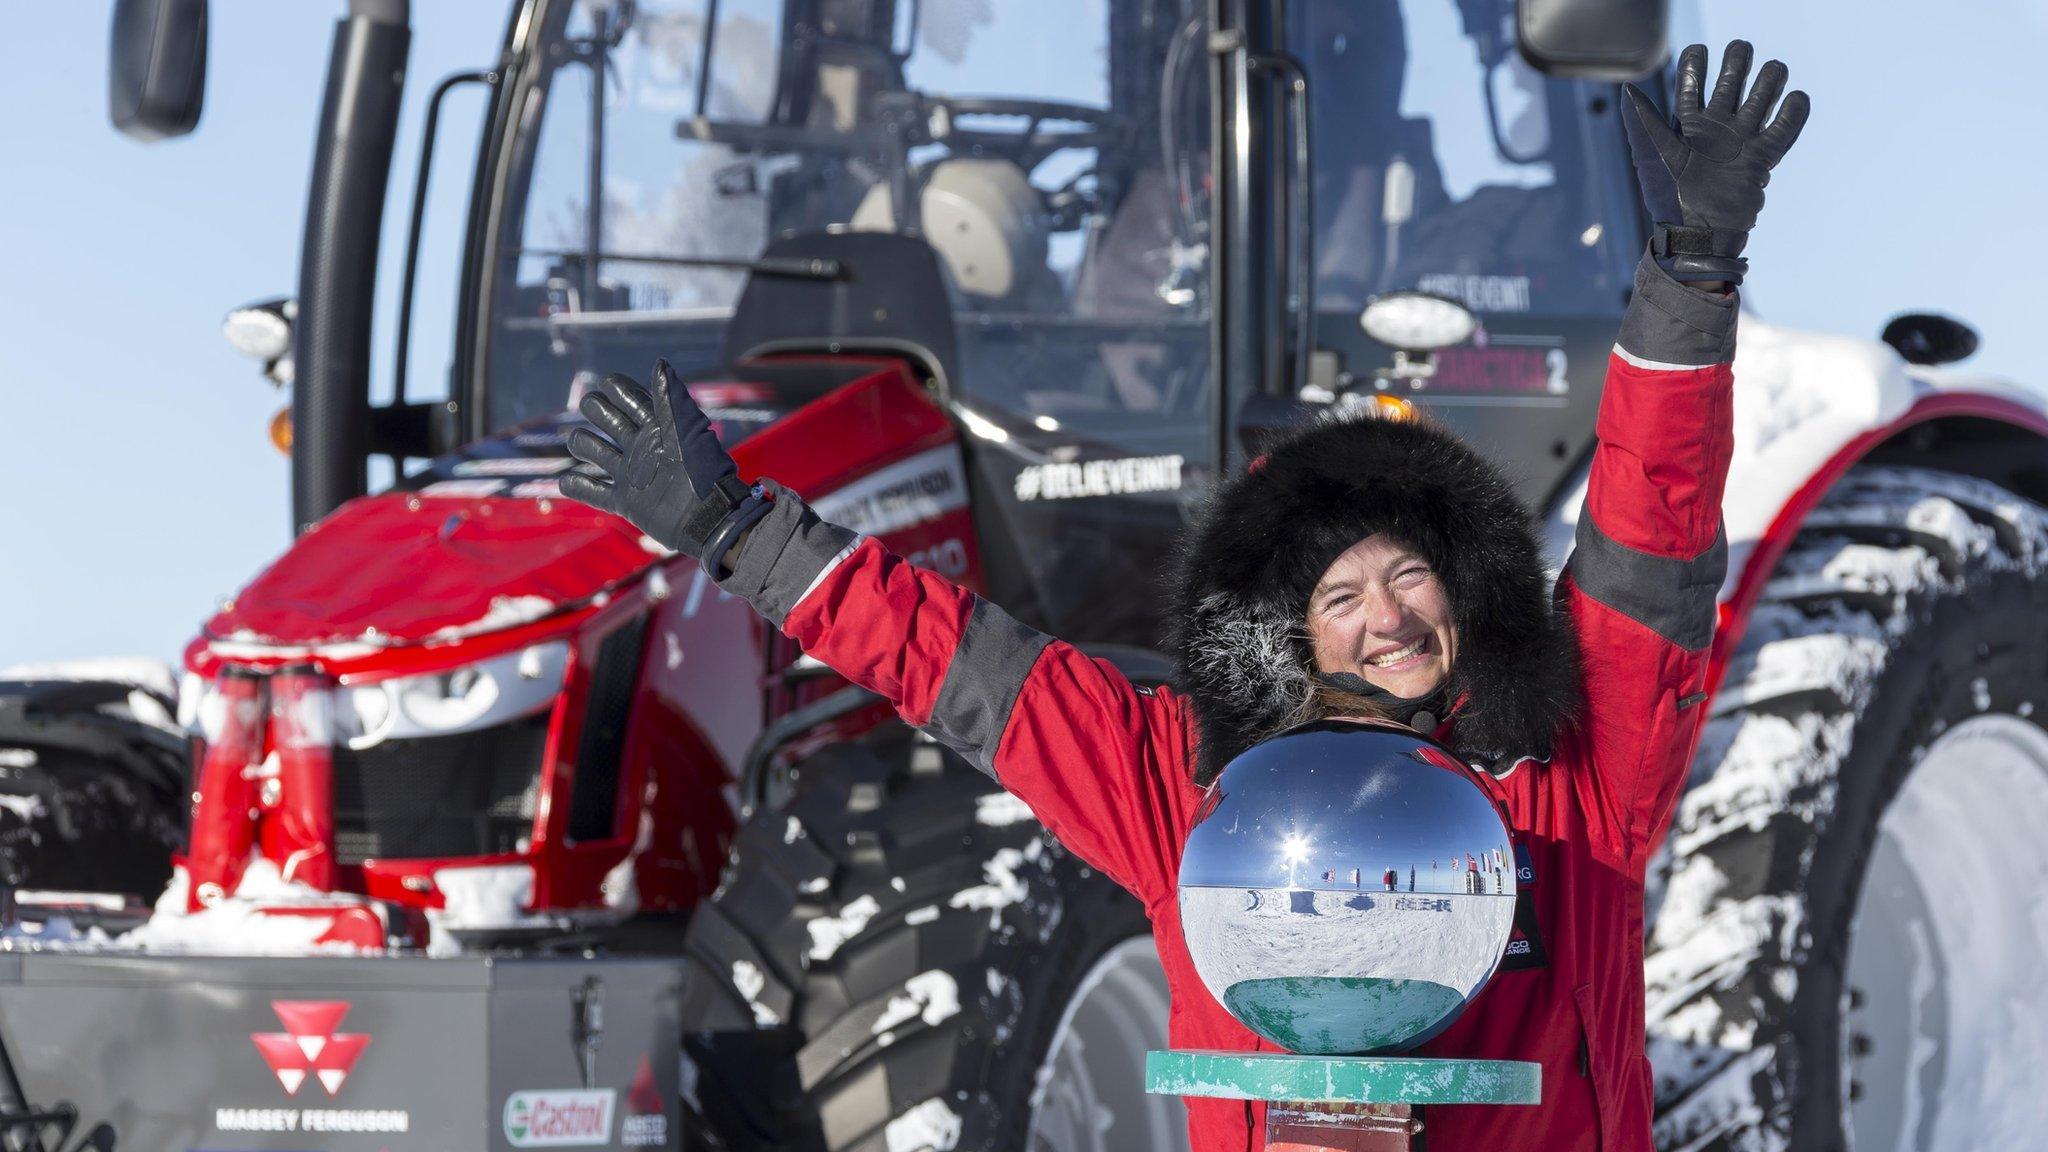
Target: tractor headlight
444	703
261	331
1417	321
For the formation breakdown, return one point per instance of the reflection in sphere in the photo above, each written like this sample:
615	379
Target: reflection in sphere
1347	889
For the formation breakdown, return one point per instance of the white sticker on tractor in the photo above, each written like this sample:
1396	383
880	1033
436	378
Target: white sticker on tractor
546	489
1100	478
465	489
923	487
1479	293
513	466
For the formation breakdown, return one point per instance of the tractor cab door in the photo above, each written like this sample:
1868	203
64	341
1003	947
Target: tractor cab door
1054	158
1085	387
1444	163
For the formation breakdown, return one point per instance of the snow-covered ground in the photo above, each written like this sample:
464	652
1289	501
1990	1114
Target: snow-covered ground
1257	933
1240	934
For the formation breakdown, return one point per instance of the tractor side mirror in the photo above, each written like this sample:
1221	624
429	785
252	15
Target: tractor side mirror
1593	39
1930	338
156	74
1516	111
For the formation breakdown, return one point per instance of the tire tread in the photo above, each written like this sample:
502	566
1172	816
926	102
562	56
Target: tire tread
1733	929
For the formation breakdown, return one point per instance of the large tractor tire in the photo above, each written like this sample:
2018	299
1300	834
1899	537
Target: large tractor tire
900	959
92	796
1848	935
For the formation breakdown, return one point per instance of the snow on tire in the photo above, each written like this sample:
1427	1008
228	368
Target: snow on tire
886	963
1908	605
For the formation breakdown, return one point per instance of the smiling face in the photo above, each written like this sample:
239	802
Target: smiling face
1380	611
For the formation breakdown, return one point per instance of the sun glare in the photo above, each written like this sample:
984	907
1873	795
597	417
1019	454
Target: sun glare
1293	851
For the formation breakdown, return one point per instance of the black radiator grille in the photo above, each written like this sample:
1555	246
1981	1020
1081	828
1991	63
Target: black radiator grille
594	801
469	794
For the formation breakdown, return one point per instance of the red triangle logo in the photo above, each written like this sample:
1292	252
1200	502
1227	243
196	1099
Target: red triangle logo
309	1047
644	1098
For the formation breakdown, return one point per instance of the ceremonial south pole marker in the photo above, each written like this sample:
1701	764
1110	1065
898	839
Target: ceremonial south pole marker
1409	921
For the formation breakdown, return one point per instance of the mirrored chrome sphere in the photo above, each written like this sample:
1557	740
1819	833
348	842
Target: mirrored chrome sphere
1348	888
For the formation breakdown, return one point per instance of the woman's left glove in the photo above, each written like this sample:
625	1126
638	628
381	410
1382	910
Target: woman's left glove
663	468
1703	172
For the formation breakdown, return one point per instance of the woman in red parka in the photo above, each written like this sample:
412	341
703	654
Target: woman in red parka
1364	567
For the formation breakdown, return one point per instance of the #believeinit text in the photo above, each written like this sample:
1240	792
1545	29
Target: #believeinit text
1099	478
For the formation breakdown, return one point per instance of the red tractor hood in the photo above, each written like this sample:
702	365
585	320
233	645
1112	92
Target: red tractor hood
414	568
482	540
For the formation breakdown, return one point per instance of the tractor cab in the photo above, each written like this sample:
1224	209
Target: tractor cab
1153	230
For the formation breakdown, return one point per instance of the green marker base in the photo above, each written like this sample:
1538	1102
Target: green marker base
1342	1103
1342	1079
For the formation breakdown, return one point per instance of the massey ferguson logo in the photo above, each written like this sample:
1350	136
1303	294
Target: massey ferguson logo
309	1044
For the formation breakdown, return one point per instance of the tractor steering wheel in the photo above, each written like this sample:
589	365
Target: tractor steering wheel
1100	129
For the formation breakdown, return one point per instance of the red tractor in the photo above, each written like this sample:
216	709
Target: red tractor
1005	286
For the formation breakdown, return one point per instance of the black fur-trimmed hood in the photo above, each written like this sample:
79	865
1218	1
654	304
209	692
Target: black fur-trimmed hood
1265	538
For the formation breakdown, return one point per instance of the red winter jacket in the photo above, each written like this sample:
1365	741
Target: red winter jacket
1107	767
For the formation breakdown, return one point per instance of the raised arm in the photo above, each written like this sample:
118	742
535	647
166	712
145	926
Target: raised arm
1650	557
1099	761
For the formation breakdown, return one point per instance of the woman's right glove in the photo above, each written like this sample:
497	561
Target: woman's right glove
1703	173
663	468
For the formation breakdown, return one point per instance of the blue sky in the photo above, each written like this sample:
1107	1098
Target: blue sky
140	486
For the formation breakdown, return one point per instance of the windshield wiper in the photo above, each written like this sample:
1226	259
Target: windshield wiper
791	267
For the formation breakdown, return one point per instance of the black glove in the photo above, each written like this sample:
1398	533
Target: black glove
667	472
1703	175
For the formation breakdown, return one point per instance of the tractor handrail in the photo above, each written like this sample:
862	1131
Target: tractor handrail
419	211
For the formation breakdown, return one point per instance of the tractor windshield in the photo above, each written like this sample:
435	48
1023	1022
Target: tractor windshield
1444	163
1053	153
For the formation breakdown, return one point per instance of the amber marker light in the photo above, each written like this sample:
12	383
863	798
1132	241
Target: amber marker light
281	429
1384	406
